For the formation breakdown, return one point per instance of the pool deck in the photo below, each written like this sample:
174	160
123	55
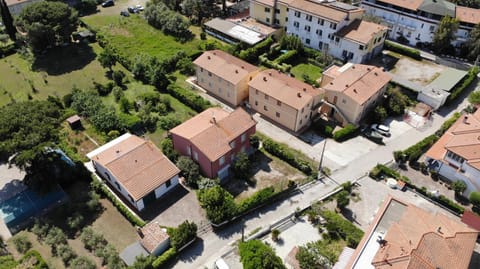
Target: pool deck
4	231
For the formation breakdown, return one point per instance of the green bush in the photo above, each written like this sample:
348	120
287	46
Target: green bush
258	198
414	152
7	262
345	133
32	257
184	233
251	54
286	154
287	57
82	262
448	123
189	98
21	243
413	53
463	84
337	226
99	187
475	198
164	258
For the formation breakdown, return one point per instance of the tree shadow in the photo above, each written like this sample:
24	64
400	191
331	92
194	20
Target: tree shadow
348	214
62	60
193	251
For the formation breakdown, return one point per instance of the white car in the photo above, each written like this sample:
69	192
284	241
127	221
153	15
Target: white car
381	129
139	7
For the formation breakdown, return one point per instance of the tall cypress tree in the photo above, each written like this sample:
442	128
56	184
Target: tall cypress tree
7	20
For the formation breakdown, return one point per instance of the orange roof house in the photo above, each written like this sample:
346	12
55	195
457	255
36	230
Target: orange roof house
467	15
456	155
224	76
136	168
361	31
284	99
213	138
352	89
403	236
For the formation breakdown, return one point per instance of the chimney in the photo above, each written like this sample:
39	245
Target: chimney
355	90
439	230
346	85
117	151
270	73
264	78
208	57
368	69
299	95
236	71
305	89
243	67
465	119
375	73
214	53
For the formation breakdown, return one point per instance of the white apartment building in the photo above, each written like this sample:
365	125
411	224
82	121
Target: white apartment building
417	20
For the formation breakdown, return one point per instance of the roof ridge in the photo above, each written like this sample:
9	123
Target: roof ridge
128	151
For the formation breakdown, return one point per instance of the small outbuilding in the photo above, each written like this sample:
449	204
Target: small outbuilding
74	122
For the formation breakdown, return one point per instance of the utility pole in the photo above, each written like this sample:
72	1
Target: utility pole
320	168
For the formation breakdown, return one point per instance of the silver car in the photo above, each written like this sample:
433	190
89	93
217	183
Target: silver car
381	129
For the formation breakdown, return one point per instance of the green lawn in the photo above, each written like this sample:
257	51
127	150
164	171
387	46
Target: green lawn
312	71
54	73
132	36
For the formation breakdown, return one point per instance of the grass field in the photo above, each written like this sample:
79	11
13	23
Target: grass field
312	71
54	73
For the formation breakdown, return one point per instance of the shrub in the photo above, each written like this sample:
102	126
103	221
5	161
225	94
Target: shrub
287	57
7	262
75	221
463	84
33	260
82	263
414	152
251	54
413	53
66	253
21	243
184	233
164	258
55	237
40	229
254	254
189	170
337	226
189	98
342	199
255	141
448	123
118	76
257	199
168	122
345	133
475	198
283	152
167	148
241	166
92	240
218	203
275	235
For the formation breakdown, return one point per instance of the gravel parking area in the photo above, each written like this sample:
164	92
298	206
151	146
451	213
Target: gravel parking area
421	72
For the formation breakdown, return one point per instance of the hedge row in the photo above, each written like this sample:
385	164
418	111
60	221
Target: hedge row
189	98
255	200
272	64
413	53
381	170
413	153
164	258
102	189
286	57
345	133
463	84
286	154
448	123
251	54
337	226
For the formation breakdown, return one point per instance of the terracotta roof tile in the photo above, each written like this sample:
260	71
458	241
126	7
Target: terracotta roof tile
471	219
324	10
361	31
284	88
359	82
213	137
225	65
408	4
468	15
153	236
138	165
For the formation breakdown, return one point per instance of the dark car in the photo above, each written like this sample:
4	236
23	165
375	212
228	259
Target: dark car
108	3
124	13
132	9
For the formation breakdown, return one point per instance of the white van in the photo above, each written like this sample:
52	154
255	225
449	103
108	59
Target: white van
221	264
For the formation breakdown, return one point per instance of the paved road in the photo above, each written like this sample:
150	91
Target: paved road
214	244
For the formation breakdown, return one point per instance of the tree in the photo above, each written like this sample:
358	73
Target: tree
475	198
82	262
7	20
167	148
473	43
380	114
275	235
255	254
47	24
459	187
474	98
218	203
343	199
241	166
183	234
445	34
107	58
21	243
315	255
189	170
397	101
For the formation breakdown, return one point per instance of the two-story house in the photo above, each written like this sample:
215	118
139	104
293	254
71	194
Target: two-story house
213	138
351	91
332	27
417	20
284	99
456	155
224	76
135	168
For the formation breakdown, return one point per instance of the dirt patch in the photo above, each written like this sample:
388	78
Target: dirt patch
421	72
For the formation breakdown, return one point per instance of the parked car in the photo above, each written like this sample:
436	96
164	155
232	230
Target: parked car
139	7
132	9
381	129
372	135
108	3
124	13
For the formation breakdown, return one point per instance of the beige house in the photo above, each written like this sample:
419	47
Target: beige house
224	76
284	99
351	90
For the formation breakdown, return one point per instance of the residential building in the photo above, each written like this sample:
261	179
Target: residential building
351	91
16	6
456	155
213	138
333	27
135	168
284	99
404	236
417	20
224	76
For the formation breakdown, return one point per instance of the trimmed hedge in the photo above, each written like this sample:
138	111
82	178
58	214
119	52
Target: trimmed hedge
382	170
414	152
345	133
413	53
463	84
286	57
164	258
256	199
103	190
251	54
448	123
189	98
272	64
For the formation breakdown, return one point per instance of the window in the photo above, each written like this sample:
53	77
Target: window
265	108
307	41
455	157
277	114
360	47
279	103
277	11
267	19
333	26
222	160
321	21
131	198
307	28
118	186
243	137
108	176
297	14
350	55
344	53
421	26
319	32
256	103
189	151
308	17
256	92
168	183
418	36
267	9
344	101
201	69
296	24
220	90
233	144
286	19
320	45
209	74
277	21
337	39
195	156
330	36
300	121
303	109
432	28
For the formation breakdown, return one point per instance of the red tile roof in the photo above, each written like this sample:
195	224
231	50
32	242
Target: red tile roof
468	15
212	130
408	4
361	31
153	236
471	219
